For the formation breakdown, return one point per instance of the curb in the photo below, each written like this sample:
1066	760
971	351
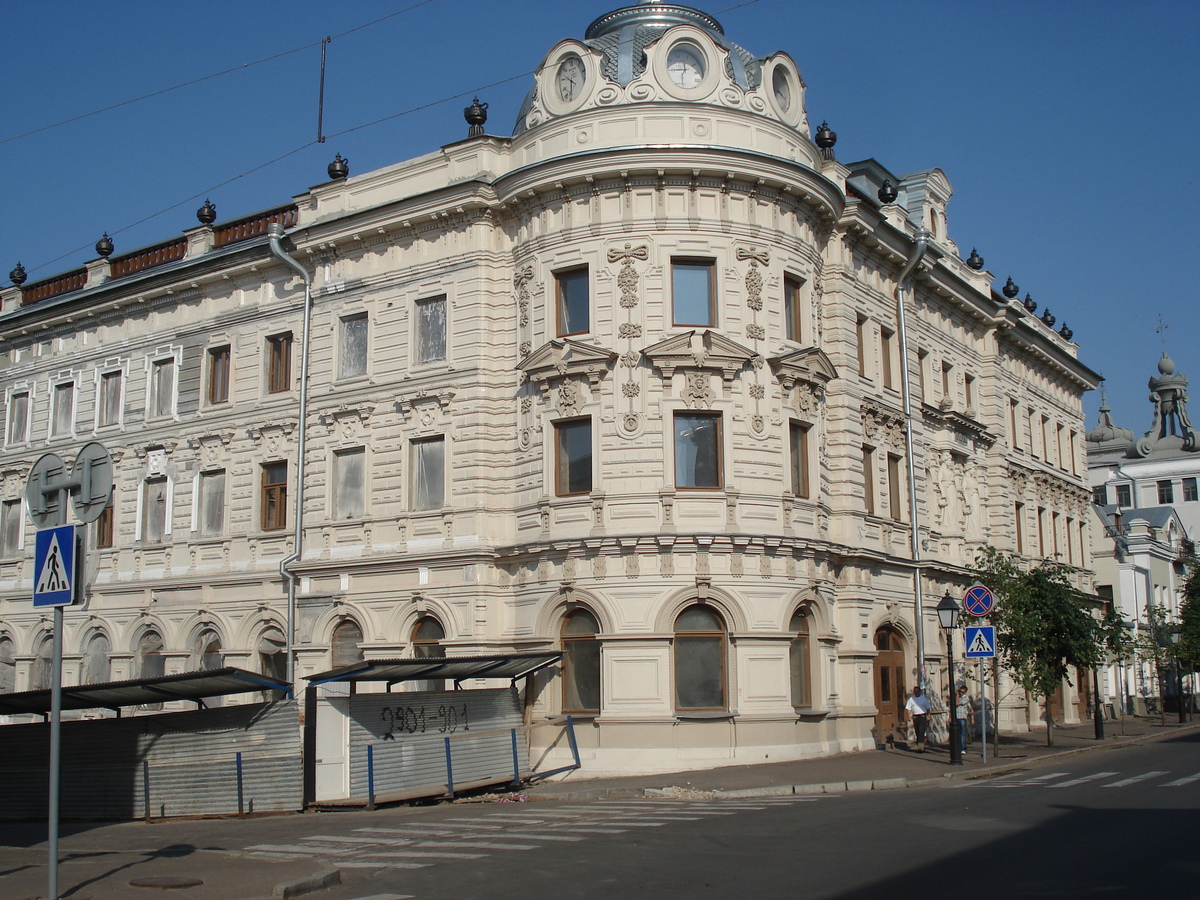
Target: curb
327	877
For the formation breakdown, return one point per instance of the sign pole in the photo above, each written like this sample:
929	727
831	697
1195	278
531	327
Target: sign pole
982	710
55	749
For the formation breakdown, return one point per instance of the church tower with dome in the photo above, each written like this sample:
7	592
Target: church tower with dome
655	381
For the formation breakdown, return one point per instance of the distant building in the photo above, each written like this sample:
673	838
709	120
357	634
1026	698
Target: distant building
629	383
1147	509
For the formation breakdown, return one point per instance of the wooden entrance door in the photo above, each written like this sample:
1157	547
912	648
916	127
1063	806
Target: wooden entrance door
890	690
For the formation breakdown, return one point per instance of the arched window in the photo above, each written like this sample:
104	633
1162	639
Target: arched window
427	637
800	660
272	654
95	661
8	666
151	662
699	660
581	663
209	652
346	644
41	673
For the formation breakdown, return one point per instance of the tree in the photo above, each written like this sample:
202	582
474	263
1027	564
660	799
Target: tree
1117	645
1044	626
1188	648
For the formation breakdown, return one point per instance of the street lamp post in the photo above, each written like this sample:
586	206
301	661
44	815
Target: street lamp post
948	611
1175	634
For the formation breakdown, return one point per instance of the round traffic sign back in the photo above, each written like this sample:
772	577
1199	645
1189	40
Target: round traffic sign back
978	600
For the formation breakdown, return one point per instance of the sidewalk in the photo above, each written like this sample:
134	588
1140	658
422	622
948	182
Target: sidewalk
99	861
869	770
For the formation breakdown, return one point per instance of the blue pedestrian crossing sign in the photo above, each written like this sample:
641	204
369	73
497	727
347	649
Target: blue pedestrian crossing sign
981	641
54	566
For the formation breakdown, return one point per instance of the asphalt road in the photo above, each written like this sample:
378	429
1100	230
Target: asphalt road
1121	823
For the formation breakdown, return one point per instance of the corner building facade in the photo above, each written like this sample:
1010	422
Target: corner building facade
628	383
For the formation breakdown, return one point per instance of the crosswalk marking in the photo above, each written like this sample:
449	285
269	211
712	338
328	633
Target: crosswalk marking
373	864
1039	779
530	836
428	854
1083	780
341	839
387	897
1179	782
1135	779
480	845
301	850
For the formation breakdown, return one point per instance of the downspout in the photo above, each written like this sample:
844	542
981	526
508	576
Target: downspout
275	234
918	252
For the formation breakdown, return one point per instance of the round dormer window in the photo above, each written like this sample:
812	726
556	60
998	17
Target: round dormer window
686	66
781	85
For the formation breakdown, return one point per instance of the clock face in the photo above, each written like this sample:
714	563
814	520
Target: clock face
685	65
570	79
783	89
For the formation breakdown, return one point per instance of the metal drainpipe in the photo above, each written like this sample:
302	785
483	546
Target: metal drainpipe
918	252
276	234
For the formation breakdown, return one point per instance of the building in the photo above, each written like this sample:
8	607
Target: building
633	382
1147	509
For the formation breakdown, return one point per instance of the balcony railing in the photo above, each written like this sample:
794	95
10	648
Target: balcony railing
171	251
244	229
54	287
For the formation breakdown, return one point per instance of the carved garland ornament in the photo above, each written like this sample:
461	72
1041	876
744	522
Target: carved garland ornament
628	282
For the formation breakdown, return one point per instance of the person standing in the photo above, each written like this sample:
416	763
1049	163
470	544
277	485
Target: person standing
965	713
918	709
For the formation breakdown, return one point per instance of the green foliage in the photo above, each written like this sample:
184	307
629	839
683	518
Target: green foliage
1189	619
1114	637
1044	626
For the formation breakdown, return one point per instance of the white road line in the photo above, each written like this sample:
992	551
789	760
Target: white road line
478	845
387	897
429	854
341	839
1134	780
527	836
415	832
388	864
1083	780
308	850
1180	782
596	830
623	823
474	823
1025	782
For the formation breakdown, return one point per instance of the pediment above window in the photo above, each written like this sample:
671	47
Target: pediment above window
564	358
809	366
700	350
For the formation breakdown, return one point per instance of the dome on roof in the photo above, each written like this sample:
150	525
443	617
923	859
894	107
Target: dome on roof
616	63
1106	429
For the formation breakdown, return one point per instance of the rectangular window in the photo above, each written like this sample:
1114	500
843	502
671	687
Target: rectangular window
574	301
212	503
108	405
1166	492
162	387
693	292
860	335
18	417
429	473
104	524
350	484
888	355
893	473
63	417
1073	450
279	363
431	329
1060	447
11	528
793	311
274	496
1124	495
1100	495
698	451
352	355
1045	433
154	510
799	459
573	457
218	374
922	362
1020	528
1190	493
1014	436
868	464
1032	421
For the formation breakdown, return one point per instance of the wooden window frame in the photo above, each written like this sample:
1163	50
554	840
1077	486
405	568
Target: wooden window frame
708	263
273	496
568	672
279	363
801	637
10	437
793	308
346	325
723	636
720	449
218	371
419	330
798	459
562	463
564	275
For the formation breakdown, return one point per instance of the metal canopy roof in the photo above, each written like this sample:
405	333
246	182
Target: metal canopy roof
455	668
194	686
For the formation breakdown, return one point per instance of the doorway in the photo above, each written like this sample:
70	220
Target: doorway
890	689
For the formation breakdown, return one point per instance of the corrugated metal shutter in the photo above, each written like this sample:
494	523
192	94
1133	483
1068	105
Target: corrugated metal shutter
407	732
191	757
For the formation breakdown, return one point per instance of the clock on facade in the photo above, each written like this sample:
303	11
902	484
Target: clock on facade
685	65
783	89
570	79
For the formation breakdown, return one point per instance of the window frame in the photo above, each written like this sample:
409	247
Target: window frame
1124	495
718	449
153	522
348	350
798	459
12	527
218	372
1166	491
563	462
895	487
801	641
709	264
106	522
14	395
572	644
694	635
420	325
206	495
793	308
279	362
104	399
561	304
868	464
160	393
1191	490
416	491
273	496
341	458
57	392
888	356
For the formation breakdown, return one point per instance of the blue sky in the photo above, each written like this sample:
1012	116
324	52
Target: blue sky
1068	129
